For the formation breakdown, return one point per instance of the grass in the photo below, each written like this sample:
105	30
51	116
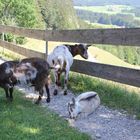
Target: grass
106	9
112	95
23	120
99	25
108	58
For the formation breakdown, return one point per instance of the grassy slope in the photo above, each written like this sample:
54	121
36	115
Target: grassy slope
24	120
107	58
59	12
99	25
107	9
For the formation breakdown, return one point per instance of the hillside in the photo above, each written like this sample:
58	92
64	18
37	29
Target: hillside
58	14
38	13
106	2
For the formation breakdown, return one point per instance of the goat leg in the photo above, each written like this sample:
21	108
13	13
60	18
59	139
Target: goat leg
56	88
39	97
65	87
58	80
56	83
6	92
48	93
65	83
11	93
55	92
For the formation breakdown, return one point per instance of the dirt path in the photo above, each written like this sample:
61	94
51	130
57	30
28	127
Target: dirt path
104	123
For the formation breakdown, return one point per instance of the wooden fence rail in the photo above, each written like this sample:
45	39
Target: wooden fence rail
109	72
22	51
121	36
31	33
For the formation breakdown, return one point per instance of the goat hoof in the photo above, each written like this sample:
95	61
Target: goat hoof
55	92
10	99
59	84
65	92
48	100
37	102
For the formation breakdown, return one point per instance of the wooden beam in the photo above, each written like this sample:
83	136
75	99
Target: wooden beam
22	51
118	36
109	72
31	33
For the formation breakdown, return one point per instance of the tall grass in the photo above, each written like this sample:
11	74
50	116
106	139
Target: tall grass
111	95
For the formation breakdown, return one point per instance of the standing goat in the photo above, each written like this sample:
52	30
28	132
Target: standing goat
85	104
34	72
62	59
7	79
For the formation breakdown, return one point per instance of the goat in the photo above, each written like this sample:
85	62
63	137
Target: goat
85	103
34	72
62	59
7	79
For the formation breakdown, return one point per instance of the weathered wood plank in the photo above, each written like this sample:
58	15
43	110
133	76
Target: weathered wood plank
21	50
121	36
31	33
109	72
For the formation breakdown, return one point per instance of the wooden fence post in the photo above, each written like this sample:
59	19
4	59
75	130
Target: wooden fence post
3	40
46	49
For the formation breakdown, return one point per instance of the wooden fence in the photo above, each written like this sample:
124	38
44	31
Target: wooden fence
121	36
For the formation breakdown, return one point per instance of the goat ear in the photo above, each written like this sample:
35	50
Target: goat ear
73	100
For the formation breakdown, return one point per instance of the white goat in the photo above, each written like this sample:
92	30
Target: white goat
84	104
61	60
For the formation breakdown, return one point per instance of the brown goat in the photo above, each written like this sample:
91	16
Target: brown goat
7	79
34	72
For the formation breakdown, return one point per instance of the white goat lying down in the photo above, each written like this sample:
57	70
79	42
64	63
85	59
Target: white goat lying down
62	59
84	104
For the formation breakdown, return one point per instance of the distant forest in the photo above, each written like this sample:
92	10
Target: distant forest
125	20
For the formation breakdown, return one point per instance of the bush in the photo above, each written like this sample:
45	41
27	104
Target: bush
21	40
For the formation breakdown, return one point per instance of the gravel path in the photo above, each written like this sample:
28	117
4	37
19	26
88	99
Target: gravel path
103	124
